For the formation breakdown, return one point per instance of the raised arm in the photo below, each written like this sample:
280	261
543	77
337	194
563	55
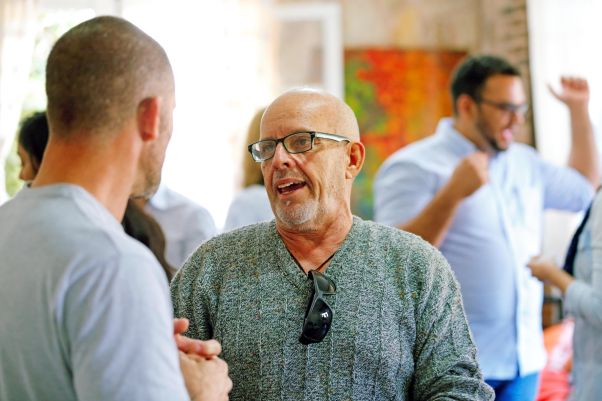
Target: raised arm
583	155
398	196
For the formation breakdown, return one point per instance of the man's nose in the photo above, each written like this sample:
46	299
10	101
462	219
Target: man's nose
281	156
518	117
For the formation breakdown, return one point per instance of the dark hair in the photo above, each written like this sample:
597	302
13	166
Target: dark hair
471	75
33	137
143	227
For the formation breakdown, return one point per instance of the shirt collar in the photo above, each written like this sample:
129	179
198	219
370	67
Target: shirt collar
85	199
459	143
456	140
160	200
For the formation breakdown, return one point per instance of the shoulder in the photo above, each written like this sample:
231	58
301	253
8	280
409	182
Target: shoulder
238	242
408	260
387	239
121	261
114	273
227	249
429	156
413	152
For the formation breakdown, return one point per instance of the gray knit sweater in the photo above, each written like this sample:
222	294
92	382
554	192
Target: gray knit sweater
398	333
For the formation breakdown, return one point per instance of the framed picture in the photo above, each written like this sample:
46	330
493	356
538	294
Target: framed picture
310	47
398	96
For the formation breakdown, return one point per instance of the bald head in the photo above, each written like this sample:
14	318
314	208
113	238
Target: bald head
99	72
323	111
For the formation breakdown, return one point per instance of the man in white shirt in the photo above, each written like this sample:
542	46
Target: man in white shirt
186	224
479	197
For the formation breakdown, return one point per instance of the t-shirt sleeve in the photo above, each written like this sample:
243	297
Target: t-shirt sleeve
117	318
564	187
584	299
401	191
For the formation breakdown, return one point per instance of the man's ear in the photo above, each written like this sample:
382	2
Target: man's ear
148	118
466	106
356	156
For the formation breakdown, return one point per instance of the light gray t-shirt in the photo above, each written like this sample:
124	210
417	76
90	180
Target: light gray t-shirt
85	309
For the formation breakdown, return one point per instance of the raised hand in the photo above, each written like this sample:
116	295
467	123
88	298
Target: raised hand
470	174
574	92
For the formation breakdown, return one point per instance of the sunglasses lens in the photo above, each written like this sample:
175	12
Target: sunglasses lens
317	323
323	283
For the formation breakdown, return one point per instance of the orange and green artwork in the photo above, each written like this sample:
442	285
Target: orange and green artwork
398	97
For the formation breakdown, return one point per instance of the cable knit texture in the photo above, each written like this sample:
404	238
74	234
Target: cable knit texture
398	333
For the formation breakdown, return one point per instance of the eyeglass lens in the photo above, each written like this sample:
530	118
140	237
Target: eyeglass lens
298	142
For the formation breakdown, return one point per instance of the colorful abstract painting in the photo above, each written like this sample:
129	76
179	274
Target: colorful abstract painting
398	97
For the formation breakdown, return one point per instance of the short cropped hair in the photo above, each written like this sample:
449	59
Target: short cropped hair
471	75
98	73
33	137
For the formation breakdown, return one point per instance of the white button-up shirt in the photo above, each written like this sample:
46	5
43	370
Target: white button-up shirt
186	224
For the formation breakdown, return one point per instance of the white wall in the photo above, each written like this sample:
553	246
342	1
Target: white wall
564	39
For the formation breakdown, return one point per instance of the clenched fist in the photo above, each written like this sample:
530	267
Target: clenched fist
470	174
574	92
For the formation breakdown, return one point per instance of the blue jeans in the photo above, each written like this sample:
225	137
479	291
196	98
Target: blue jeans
518	389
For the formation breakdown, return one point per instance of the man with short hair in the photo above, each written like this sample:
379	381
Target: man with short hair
318	304
479	197
86	312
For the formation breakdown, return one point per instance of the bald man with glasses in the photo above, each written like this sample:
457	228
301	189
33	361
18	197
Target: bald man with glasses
319	304
479	197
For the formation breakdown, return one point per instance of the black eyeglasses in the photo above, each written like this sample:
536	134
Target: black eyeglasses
520	109
318	316
297	142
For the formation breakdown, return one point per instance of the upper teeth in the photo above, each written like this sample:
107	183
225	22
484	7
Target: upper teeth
285	185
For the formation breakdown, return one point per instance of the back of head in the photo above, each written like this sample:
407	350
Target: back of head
470	76
33	137
99	72
251	169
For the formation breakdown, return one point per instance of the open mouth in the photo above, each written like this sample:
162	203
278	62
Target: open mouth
289	187
507	135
